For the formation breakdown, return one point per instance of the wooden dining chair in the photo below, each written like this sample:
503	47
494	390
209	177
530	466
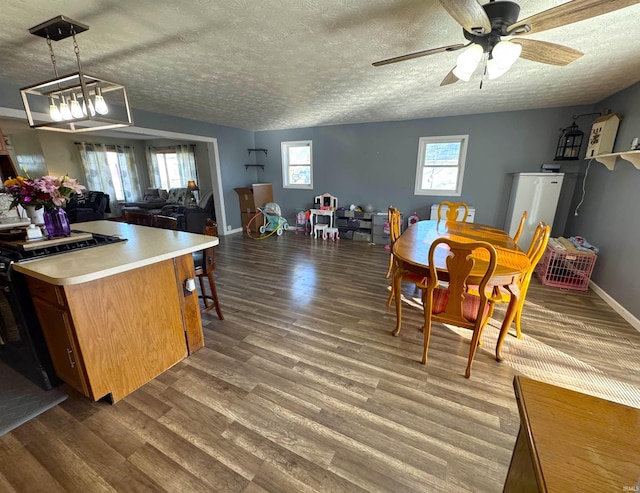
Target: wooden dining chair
451	211
516	236
205	264
395	220
535	252
453	304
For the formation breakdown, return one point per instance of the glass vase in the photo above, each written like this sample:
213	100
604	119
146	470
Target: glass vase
56	222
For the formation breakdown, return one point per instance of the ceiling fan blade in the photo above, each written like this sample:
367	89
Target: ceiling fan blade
449	79
418	54
545	52
567	13
469	14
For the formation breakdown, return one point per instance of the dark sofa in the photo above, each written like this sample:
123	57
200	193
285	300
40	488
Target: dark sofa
87	206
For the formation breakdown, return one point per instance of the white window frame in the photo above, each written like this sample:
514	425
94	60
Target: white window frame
284	149
422	148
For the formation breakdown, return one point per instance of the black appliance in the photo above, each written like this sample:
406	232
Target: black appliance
22	343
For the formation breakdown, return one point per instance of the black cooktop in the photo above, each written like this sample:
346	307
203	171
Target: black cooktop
19	251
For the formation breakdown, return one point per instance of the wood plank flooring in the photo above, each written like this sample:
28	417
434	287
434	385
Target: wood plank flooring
302	388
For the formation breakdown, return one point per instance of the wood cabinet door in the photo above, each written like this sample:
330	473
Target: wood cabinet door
58	333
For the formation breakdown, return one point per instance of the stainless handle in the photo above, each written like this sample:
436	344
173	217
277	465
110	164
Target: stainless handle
71	362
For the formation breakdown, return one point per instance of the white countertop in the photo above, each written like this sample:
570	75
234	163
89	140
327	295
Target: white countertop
144	246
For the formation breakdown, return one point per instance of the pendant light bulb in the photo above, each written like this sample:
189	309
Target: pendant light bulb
65	112
76	109
101	105
92	110
54	112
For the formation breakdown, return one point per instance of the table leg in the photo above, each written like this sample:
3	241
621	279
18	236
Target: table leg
506	324
311	223
397	292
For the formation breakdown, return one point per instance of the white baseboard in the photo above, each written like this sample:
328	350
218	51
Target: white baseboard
233	231
621	310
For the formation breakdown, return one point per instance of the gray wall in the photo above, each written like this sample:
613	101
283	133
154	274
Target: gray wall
232	148
375	163
610	214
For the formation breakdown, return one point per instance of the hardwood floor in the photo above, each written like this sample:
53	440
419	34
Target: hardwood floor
303	388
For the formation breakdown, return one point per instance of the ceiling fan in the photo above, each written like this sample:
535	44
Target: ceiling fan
484	26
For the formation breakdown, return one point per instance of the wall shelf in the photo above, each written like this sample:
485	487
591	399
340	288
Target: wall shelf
609	160
257	150
247	166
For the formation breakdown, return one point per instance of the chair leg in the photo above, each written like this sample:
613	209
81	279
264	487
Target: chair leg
390	267
518	317
427	336
390	298
203	291
472	350
214	296
215	303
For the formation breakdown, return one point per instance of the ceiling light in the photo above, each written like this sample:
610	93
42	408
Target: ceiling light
76	110
64	109
60	104
54	111
494	70
505	53
101	106
468	60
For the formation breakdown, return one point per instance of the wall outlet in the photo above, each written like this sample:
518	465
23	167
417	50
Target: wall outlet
229	227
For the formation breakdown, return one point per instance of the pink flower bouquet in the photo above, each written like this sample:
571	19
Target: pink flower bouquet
48	191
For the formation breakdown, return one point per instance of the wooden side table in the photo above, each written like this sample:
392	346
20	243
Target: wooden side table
569	441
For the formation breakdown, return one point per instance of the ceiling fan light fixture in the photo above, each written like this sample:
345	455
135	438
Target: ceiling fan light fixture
461	75
494	70
505	53
468	60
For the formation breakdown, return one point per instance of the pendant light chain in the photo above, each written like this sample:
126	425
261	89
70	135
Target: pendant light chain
76	49
53	56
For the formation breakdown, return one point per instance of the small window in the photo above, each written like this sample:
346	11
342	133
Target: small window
441	165
297	164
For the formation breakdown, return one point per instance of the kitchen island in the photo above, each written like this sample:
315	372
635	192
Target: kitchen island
117	315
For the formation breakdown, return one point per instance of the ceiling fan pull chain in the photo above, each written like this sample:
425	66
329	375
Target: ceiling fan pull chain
484	69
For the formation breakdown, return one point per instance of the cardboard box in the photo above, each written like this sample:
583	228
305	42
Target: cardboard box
255	196
255	225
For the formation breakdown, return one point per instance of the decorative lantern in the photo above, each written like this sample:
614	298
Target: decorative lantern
569	143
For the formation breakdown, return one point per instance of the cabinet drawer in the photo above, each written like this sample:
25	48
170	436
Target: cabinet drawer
380	239
48	292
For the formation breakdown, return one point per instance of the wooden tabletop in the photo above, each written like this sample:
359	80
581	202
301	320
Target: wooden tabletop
579	442
412	247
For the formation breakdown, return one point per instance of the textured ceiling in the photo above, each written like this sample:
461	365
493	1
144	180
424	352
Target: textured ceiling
269	64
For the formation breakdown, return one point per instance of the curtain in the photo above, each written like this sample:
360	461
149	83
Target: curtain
128	173
154	168
99	174
186	165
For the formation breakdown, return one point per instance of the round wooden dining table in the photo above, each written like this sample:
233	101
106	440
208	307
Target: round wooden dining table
411	254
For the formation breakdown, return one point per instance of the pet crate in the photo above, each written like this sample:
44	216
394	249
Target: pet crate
567	269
